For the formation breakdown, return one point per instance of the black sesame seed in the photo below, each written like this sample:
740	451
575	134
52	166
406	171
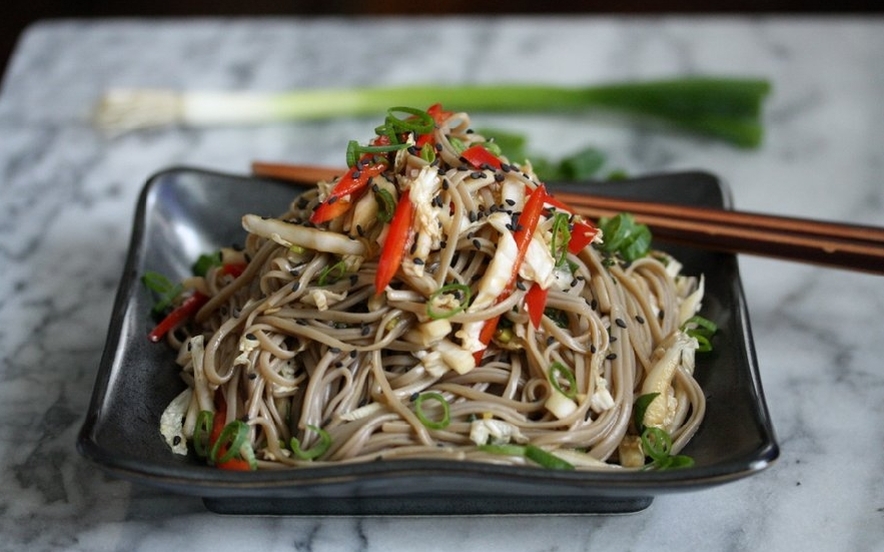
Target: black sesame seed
499	177
296	285
592	349
253	376
639	319
334	350
365	330
611	356
332	199
360	230
510	201
620	322
477	244
176	440
521	285
476	175
418	261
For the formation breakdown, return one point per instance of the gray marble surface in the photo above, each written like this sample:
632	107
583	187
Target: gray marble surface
67	195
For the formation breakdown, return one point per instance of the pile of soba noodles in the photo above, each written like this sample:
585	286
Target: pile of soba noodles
434	302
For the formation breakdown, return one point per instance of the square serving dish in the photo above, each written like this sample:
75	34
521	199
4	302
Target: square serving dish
184	212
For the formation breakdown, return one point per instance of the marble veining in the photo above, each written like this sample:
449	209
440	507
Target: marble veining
68	191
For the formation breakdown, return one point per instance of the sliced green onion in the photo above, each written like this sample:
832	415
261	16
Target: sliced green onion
503	449
234	436
701	329
443	422
428	153
558	370
248	454
202	431
656	443
355	150
331	273
317	450
419	122
458	146
205	262
546	459
531	452
726	108
386	205
561	235
461	292
641	406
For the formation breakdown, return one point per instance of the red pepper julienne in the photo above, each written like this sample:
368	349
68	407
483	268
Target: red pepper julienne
178	316
399	236
523	235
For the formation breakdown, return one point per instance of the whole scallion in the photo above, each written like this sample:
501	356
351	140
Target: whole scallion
726	108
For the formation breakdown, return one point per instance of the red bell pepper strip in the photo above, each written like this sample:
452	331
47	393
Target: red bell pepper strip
179	315
438	114
535	303
523	235
582	235
351	184
399	236
479	157
234	269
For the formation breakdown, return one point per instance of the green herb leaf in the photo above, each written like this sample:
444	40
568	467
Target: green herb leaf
205	262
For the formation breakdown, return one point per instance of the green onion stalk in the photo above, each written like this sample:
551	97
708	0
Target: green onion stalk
729	109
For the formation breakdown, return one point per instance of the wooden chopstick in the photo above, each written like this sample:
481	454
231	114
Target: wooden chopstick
831	244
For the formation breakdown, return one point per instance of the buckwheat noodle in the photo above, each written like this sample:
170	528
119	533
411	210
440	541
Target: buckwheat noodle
302	340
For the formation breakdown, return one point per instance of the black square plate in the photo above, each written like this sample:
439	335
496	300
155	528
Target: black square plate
184	212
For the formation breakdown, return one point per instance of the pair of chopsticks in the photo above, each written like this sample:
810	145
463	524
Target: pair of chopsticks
830	244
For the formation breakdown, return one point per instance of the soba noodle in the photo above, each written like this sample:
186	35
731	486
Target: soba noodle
317	366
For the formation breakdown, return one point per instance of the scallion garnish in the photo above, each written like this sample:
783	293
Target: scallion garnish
229	442
386	204
531	452
443	421
355	150
657	445
331	273
461	292
561	235
701	329
202	431
558	370
317	450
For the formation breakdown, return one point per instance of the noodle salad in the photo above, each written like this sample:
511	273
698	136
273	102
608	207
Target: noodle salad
436	301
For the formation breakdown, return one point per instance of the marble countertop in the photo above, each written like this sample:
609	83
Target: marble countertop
68	192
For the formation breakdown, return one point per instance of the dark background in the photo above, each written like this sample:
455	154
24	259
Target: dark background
16	15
